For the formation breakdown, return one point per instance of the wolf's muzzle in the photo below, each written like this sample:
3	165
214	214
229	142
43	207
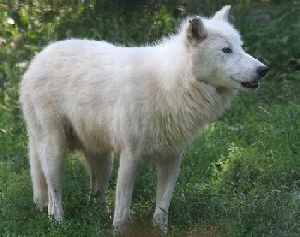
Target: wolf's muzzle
262	70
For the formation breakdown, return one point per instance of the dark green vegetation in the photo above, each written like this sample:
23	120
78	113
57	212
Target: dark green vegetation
240	177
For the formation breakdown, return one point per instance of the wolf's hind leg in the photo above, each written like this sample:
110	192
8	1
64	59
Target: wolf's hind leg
100	167
40	187
53	163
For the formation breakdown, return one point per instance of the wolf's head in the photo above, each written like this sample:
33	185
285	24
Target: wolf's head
217	54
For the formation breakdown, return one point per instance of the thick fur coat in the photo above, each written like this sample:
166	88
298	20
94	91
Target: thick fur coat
143	102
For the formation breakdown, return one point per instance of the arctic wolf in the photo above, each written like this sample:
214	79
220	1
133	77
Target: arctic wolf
143	102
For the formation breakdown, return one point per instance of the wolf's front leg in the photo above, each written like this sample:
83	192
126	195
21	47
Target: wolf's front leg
167	173
126	177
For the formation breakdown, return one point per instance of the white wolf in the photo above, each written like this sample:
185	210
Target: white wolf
143	102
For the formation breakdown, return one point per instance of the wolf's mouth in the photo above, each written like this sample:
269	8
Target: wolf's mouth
250	85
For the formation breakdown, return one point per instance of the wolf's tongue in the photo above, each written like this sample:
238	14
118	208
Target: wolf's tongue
252	85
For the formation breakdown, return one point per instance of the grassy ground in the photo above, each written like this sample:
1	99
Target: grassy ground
240	177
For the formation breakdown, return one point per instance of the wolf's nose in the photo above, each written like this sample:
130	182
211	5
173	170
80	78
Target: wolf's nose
262	70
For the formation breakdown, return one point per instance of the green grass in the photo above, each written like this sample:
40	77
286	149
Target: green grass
241	175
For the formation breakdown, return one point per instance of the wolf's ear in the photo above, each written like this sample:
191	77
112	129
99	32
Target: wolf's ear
222	15
196	31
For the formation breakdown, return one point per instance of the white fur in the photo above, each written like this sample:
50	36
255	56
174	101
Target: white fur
144	102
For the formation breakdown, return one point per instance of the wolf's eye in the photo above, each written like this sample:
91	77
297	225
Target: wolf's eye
227	50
